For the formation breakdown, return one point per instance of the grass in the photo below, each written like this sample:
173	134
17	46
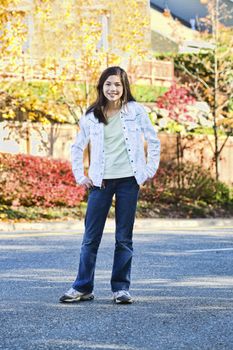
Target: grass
144	210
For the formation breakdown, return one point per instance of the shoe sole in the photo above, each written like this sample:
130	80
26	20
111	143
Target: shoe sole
123	301
87	297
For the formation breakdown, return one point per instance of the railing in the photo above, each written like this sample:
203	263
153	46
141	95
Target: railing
152	72
25	68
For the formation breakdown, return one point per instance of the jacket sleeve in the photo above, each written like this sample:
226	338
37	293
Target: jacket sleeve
77	150
153	143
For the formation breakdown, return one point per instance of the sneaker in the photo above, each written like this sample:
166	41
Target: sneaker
122	297
73	295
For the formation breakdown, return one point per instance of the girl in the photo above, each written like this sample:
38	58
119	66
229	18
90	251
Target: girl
114	124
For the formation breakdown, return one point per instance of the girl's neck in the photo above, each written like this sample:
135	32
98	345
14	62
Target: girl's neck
111	109
113	106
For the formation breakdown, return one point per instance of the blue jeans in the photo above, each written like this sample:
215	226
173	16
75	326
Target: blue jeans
99	202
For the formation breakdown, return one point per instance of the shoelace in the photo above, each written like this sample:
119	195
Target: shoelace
72	292
121	293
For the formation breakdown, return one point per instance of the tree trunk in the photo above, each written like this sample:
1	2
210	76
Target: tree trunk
178	157
28	139
51	140
216	76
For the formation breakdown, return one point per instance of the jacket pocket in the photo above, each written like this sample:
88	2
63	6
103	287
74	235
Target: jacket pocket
95	129
130	118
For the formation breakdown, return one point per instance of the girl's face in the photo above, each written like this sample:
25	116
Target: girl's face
113	88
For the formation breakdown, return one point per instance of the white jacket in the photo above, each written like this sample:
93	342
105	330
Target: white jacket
135	124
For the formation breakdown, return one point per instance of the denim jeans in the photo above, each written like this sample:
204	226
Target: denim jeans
99	202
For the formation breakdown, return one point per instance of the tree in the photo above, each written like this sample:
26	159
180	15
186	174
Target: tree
60	43
209	74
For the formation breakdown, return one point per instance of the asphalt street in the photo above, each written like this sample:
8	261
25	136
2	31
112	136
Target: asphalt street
182	283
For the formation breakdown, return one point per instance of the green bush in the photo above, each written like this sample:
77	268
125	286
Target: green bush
147	93
185	183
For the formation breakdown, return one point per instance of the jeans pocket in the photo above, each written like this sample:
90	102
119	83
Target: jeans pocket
92	188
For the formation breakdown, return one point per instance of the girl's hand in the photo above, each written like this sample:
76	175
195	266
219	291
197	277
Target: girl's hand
87	183
148	180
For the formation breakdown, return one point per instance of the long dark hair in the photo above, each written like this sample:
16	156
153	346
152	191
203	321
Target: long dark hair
101	101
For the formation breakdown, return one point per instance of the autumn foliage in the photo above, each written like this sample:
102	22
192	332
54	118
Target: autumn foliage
175	101
37	181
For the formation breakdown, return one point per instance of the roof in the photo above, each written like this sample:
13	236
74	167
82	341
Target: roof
185	10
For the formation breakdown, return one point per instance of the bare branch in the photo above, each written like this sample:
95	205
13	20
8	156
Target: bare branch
211	146
194	76
223	105
220	150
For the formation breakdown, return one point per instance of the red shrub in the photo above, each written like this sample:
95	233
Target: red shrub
175	183
37	181
175	100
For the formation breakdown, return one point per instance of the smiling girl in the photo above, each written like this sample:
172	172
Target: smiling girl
116	127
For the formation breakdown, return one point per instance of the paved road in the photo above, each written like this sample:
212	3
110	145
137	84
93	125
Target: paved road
181	281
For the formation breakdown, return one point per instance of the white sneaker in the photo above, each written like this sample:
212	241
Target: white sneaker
122	297
73	295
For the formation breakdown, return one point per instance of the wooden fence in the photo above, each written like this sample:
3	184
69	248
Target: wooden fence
55	141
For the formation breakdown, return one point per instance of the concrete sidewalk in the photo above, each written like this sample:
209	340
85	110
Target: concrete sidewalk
141	225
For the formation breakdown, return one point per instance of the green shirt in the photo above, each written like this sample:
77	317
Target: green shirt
117	162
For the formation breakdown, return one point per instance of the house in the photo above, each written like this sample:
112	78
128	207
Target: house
187	11
176	25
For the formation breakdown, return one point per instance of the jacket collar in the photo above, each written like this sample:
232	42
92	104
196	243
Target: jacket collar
126	109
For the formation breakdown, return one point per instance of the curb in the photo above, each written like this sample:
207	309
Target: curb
140	224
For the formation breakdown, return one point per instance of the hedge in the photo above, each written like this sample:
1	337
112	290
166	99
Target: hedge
37	181
187	181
